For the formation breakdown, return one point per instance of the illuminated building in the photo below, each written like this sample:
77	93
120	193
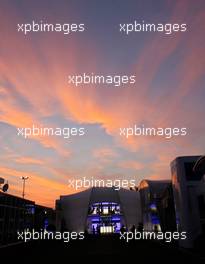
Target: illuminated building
150	194
98	210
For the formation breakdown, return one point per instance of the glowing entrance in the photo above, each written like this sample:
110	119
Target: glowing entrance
105	217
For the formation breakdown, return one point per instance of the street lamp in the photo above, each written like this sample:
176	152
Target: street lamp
24	178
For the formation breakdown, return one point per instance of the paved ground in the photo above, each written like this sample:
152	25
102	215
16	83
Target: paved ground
94	248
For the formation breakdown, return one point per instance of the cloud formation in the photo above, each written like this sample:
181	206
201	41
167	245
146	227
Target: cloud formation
34	90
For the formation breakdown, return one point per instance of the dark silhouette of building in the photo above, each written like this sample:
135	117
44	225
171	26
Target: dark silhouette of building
17	214
166	209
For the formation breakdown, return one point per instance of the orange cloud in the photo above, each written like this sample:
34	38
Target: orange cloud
29	160
131	164
105	152
13	115
38	77
38	188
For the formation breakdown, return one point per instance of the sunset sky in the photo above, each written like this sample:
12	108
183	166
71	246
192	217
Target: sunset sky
169	92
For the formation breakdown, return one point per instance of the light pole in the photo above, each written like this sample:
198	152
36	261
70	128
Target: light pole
24	178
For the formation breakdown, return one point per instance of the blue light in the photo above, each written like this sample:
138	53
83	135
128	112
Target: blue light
153	206
115	218
155	219
95	220
104	214
45	223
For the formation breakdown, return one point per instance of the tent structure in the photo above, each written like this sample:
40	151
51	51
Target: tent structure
99	209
